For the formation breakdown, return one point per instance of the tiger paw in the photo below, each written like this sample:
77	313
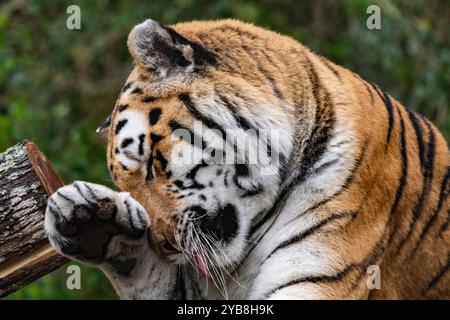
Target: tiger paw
83	218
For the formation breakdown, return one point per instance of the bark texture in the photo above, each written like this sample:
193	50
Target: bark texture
26	181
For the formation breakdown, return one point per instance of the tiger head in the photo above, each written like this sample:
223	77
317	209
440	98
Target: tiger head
199	138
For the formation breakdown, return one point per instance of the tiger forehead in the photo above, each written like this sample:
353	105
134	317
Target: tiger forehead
149	115
136	92
133	92
152	109
141	83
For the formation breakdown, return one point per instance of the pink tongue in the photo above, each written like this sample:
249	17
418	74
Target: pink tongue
201	264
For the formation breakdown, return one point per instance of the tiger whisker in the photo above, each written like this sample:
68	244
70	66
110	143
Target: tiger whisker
216	272
218	262
227	258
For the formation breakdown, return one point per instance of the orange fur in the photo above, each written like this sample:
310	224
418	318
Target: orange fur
256	62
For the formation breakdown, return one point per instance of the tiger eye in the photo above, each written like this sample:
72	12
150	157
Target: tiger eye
168	247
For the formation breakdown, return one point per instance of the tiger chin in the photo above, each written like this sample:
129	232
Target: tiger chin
346	180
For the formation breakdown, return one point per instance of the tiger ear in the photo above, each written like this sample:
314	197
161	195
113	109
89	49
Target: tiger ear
163	51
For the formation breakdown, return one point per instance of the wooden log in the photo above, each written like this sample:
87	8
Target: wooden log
26	181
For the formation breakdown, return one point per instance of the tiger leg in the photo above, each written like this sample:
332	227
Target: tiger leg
108	229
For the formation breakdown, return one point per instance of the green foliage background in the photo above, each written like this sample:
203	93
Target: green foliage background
57	85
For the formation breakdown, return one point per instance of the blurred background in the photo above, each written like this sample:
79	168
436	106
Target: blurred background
57	85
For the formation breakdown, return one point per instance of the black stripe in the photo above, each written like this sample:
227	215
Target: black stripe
306	233
59	193
252	192
282	169
127	86
154	116
175	125
390	110
312	279
431	150
443	193
241	121
348	180
155	137
134	232
191	175
148	99
272	63
404	165
445	224
242	170
91	192
91	204
325	166
225	179
122	107
141	144
201	55
368	90
236	30
186	100
179	289
196	293
136	91
276	89
193	138
426	164
193	172
126	142
318	140
120	125
54	212
437	277
130	220
403	174
419	137
364	82
149	175
330	67
252	56
388	103
162	160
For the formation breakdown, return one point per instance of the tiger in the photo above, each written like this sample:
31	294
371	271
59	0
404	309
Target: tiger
250	167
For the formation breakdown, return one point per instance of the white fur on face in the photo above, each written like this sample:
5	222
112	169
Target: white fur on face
221	189
134	128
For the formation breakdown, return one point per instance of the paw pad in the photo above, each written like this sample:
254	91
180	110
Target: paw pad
81	220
